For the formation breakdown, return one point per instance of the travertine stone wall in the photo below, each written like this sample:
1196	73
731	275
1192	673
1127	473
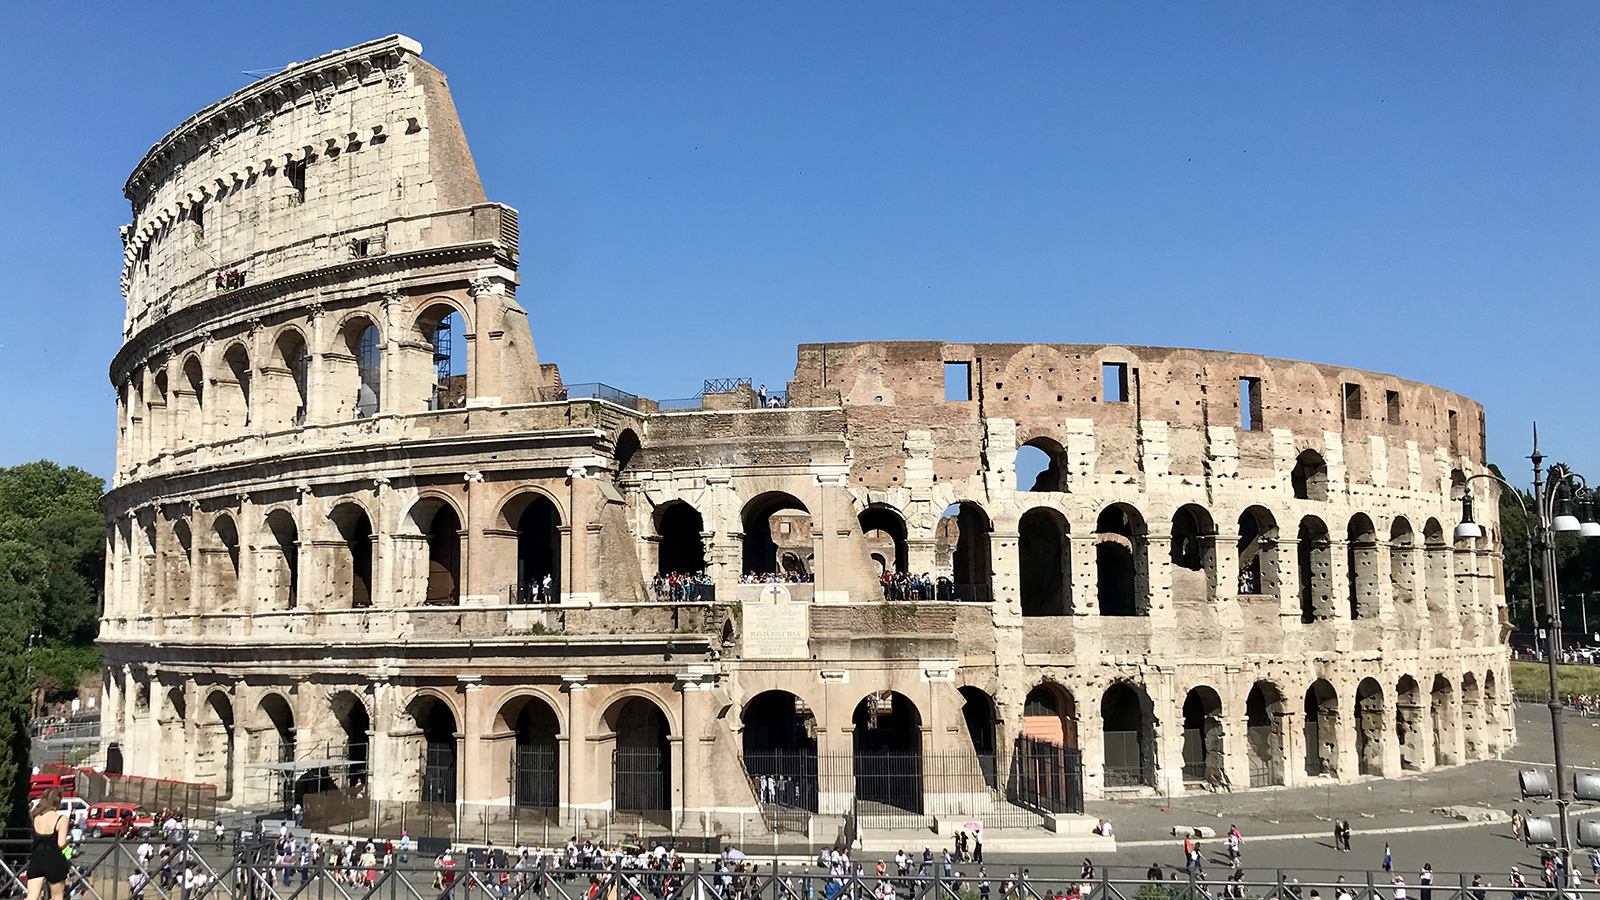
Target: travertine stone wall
308	553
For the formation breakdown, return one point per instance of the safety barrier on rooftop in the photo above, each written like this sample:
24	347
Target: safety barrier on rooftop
592	390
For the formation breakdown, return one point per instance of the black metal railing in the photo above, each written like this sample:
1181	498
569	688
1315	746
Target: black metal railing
534	592
592	390
950	592
1046	777
724	385
784	778
681	404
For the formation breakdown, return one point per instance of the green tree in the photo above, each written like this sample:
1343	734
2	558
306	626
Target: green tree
52	561
1577	570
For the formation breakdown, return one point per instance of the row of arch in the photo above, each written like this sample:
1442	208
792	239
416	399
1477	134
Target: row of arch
191	398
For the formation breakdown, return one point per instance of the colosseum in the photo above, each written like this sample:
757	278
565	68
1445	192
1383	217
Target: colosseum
362	541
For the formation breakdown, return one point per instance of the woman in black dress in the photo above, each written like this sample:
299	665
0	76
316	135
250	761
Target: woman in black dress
46	865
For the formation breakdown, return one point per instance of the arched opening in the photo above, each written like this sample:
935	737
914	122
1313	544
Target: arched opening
1258	553
222	565
978	712
191	396
1121	562
885	534
961	542
1049	713
627	447
438	724
766	533
173	736
1437	584
682	549
114	762
1403	576
888	751
1442	712
1045	557
232	410
293	362
438	522
1322	729
1491	714
281	571
444	330
539	551
780	750
1309	477
1040	466
1408	722
1472	737
280	744
214	755
352	568
1316	571
1194	555
354	724
357	370
1263	716
1203	746
160	413
535	753
1361	573
643	756
1369	728
177	567
1128	727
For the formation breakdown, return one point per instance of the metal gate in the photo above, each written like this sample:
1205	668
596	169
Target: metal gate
640	779
537	776
888	785
784	778
1124	762
1261	741
1046	777
439	772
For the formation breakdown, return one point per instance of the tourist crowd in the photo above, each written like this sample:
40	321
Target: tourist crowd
777	578
678	587
906	586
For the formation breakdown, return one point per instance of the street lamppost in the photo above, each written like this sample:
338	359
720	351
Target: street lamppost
1565	507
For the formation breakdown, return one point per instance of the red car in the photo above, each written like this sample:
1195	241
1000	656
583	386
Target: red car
115	819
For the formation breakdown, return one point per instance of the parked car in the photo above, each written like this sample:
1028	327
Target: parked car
117	819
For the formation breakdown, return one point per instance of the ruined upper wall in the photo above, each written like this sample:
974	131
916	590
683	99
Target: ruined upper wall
345	156
1055	391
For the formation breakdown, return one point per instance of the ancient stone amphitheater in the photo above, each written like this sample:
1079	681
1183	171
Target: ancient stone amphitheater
363	543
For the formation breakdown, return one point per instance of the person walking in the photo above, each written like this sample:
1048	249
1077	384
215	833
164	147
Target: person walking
46	863
977	845
1388	861
1234	840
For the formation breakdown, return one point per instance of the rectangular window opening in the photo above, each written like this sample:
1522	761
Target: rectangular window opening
1352	401
958	381
1455	434
1392	401
1114	382
1249	404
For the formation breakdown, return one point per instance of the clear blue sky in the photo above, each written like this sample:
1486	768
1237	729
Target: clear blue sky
1404	187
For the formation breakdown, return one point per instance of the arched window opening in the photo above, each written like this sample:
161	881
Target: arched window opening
1403	576
1263	714
536	759
961	543
1258	553
888	752
191	403
222	566
1361	553
625	451
214	756
1322	729
885	533
1128	728
352	573
444	557
539	551
1442	712
1193	555
178	567
1491	711
1472	736
1309	477
160	413
773	523
293	359
354	724
1203	746
445	331
1408	723
1040	466
1046	767
366	347
438	725
682	549
977	710
1369	728
1049	713
1316	571
281	746
282	571
780	750
1437	583
1045	557
1121	562
643	757
233	406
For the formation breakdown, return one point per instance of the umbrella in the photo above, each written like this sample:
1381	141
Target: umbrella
736	855
972	826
